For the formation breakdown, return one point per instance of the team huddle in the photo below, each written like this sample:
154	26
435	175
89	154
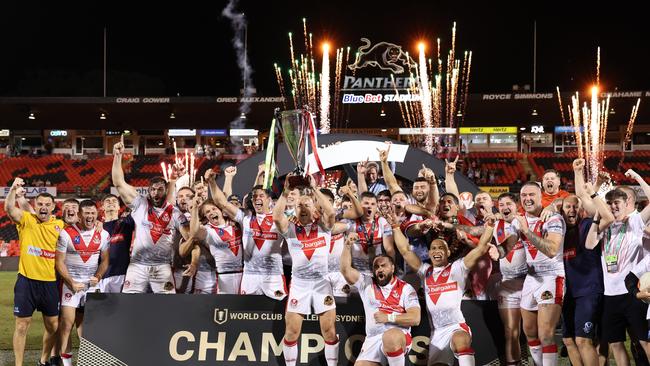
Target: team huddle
543	254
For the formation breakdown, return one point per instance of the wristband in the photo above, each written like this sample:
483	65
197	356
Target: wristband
392	318
394	227
594	195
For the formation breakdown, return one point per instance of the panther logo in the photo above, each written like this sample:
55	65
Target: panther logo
384	55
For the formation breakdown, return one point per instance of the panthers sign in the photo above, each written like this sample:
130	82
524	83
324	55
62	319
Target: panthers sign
391	68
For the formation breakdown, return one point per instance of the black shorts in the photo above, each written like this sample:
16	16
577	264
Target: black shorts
581	316
623	312
30	295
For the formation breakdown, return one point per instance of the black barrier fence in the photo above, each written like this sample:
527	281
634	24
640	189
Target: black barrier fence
148	329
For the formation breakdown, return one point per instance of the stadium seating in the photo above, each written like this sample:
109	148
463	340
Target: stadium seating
506	165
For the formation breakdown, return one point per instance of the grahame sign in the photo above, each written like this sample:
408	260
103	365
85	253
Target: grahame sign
149	329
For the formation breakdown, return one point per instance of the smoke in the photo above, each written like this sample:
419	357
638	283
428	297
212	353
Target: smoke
238	23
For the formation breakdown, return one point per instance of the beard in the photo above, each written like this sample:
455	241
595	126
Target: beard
385	279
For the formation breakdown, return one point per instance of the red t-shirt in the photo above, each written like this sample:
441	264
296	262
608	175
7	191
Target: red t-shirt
547	199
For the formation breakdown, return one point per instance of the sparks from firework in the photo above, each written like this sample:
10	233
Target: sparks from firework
425	98
325	91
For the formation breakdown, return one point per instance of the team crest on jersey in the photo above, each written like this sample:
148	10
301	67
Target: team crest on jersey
220	316
57	228
346	288
96	240
329	300
68	296
547	295
76	239
445	273
165	216
127	284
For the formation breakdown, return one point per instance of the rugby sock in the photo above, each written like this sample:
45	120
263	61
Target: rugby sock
465	357
395	358
549	355
535	347
67	359
332	352
290	352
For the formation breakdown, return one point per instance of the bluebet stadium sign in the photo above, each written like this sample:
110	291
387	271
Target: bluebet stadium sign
234	330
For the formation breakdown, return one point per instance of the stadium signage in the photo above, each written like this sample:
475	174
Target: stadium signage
4	133
30	192
250	100
245	132
230	330
213	132
487	130
517	96
181	132
537	129
142	100
567	129
370	98
428	130
495	191
58	133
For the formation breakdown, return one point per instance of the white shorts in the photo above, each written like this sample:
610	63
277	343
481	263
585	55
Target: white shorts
340	286
78	300
508	293
273	286
440	343
372	349
183	284
228	283
305	294
540	290
112	284
140	277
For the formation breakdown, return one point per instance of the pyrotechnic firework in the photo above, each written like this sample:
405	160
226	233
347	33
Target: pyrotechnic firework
325	91
590	124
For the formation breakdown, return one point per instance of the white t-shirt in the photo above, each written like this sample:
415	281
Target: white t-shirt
82	249
639	270
443	291
538	262
155	228
371	238
225	246
513	265
309	247
262	244
625	241
394	298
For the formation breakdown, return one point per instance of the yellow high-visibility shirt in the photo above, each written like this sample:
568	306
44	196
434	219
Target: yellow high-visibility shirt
37	246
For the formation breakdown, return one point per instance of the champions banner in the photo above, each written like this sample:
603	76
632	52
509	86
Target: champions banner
231	330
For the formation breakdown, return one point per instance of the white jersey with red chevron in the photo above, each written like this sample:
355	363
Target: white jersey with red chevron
82	249
443	292
225	246
370	241
155	230
262	244
336	248
538	262
309	246
513	265
394	298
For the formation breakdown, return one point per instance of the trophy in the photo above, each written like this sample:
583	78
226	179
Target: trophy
294	125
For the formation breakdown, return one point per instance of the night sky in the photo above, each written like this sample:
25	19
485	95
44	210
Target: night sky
165	49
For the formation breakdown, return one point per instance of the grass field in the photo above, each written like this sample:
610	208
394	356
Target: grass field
34	337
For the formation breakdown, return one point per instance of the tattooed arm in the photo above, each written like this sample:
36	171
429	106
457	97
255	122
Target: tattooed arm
549	244
476	231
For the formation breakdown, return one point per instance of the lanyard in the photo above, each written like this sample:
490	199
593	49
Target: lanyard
370	237
608	242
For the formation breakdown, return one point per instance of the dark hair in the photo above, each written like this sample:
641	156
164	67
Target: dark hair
109	195
385	192
68	200
531	183
327	192
186	187
510	195
453	197
345	199
616	193
367	195
209	201
47	195
261	187
551	171
87	203
390	259
420	179
399	192
156	180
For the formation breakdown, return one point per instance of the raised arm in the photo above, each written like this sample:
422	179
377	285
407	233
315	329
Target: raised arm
229	174
219	197
15	213
328	217
592	236
579	182
472	258
645	214
402	243
126	191
350	274
357	209
450	179
433	198
549	244
389	177
281	221
604	213
259	178
23	203
362	186
196	229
